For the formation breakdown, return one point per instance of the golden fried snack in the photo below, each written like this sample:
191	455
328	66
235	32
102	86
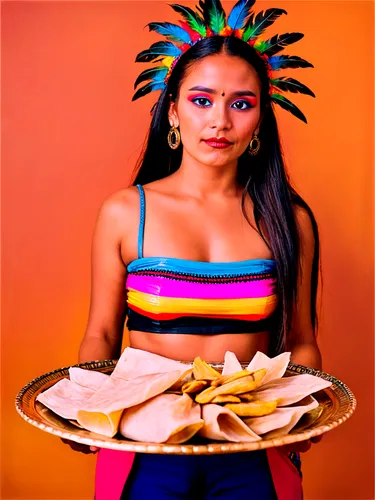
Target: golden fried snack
205	396
239	386
247	397
225	379
185	377
203	371
243	384
254	409
194	386
226	399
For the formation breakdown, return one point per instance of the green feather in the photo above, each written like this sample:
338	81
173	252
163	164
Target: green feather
256	24
158	49
291	85
260	46
156	74
192	18
288	105
214	14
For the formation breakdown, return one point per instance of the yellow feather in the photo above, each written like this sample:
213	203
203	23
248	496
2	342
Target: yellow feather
167	61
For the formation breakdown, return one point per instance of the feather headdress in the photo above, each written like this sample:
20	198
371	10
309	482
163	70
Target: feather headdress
208	20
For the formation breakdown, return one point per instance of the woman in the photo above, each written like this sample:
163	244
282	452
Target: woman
211	217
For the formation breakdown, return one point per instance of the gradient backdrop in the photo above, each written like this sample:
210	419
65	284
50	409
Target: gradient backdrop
70	137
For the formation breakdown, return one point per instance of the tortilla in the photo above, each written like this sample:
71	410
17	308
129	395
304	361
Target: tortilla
87	378
165	418
282	420
136	362
275	367
65	398
289	390
231	364
102	412
222	424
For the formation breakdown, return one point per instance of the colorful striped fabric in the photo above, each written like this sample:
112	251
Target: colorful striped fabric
168	295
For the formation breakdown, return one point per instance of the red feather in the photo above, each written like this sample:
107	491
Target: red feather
193	34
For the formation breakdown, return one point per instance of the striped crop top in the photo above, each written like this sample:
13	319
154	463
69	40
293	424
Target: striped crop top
171	295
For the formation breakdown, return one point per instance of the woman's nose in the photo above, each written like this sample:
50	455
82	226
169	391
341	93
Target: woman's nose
220	117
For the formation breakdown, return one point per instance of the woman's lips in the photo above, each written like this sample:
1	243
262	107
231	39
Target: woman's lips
219	143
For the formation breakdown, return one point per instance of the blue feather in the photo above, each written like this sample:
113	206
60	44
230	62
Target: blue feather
239	13
157	74
171	31
280	62
146	89
158	49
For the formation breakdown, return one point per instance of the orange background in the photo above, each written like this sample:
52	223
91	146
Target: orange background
70	137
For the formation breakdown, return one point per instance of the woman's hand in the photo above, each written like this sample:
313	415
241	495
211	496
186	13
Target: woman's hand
83	448
302	446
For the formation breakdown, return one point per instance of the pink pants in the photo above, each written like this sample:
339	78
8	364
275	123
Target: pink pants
113	468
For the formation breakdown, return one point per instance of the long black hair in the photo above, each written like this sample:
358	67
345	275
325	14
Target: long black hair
263	177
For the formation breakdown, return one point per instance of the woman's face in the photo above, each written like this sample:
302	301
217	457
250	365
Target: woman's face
218	99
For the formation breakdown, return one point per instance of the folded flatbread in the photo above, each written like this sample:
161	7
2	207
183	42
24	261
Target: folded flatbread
102	412
222	424
289	390
65	398
87	378
231	364
275	367
282	420
167	418
136	362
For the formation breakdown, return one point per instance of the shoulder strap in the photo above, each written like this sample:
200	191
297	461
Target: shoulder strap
142	214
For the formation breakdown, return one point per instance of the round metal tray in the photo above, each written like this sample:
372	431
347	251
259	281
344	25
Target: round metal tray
336	404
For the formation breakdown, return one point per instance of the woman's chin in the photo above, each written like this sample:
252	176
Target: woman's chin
219	159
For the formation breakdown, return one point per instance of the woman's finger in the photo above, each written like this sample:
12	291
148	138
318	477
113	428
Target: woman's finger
301	447
317	439
304	446
83	448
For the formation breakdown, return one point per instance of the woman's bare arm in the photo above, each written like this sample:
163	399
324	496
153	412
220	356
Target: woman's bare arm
103	335
302	341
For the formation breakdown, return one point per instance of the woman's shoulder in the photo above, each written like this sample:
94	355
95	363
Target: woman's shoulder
123	206
120	208
122	201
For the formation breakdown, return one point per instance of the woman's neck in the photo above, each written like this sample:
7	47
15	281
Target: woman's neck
202	180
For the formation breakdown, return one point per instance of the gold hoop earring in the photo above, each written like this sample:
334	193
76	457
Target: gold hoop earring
253	150
174	138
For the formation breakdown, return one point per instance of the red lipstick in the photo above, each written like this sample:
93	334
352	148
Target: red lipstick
218	142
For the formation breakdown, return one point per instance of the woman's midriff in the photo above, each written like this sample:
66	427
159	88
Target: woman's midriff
211	348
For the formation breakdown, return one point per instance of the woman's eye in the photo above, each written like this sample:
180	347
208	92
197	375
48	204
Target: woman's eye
242	105
202	101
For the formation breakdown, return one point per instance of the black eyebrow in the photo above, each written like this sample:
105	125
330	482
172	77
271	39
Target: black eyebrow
211	91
